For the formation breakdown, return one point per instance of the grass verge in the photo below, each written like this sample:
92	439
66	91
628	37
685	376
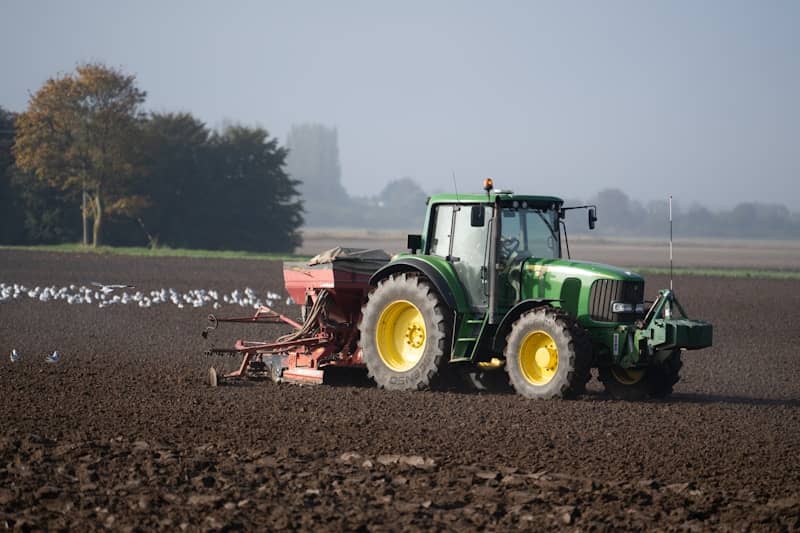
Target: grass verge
722	272
154	252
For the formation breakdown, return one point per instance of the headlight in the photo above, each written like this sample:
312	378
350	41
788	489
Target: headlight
623	307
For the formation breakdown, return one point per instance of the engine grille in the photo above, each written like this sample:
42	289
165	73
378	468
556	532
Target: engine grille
606	291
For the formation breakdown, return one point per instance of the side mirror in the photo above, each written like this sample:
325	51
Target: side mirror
477	216
414	243
592	217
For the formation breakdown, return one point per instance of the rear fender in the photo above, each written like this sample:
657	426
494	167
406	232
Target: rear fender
437	270
499	341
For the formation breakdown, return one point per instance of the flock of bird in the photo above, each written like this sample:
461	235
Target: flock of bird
105	295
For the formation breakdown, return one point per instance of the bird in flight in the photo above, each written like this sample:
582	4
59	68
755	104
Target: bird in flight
106	288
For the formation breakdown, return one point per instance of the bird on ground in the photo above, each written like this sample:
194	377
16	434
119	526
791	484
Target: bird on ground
15	356
53	357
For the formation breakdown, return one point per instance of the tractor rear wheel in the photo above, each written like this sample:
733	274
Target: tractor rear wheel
638	384
404	333
545	355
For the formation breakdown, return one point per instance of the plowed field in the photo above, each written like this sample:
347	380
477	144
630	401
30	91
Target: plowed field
123	433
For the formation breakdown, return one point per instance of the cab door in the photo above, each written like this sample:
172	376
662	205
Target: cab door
466	247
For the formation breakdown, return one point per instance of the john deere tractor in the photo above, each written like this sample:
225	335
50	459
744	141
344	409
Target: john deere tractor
486	293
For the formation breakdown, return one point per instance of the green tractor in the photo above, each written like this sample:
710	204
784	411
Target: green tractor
486	295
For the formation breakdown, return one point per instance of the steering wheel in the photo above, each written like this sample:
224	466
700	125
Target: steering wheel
509	245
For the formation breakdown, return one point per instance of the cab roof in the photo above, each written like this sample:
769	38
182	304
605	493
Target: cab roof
490	197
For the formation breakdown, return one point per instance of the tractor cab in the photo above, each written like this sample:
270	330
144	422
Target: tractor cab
491	236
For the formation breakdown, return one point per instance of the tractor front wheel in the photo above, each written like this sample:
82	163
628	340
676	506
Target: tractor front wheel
545	358
404	333
638	384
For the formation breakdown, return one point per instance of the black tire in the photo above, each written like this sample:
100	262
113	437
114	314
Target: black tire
546	355
338	376
583	347
404	333
664	377
492	381
656	381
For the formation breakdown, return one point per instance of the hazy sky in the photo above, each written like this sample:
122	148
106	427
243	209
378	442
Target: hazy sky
694	98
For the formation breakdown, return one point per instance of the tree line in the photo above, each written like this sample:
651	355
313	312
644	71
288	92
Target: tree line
85	162
619	215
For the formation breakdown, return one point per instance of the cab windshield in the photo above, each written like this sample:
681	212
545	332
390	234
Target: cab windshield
529	232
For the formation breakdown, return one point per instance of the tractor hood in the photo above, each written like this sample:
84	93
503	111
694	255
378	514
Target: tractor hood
560	269
587	290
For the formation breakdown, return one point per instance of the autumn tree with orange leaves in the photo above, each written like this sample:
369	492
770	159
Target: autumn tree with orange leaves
81	132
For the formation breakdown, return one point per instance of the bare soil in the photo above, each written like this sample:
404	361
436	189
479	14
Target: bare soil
124	434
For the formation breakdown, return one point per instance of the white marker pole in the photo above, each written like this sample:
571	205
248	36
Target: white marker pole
670	242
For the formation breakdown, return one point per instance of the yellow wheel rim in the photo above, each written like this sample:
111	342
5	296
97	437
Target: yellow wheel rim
538	358
401	335
627	376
